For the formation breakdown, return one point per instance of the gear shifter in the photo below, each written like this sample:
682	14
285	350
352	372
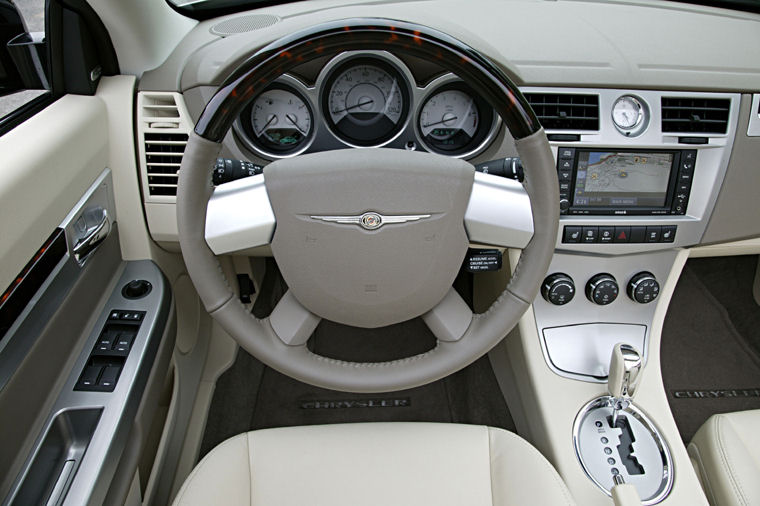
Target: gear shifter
625	366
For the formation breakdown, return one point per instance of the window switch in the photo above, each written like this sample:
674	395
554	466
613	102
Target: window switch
109	376
124	341
90	375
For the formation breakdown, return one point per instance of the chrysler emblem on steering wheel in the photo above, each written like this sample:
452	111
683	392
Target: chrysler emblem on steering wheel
371	220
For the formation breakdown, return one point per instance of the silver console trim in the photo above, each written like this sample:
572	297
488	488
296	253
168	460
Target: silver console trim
668	476
753	129
581	267
712	162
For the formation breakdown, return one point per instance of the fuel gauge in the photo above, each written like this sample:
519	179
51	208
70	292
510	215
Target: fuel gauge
280	121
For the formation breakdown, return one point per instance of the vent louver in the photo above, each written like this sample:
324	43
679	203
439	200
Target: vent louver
163	156
695	115
561	111
164	127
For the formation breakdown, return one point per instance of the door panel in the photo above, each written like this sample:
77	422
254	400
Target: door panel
47	164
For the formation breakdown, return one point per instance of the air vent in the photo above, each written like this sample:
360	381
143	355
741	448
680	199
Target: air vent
163	156
695	115
164	127
559	111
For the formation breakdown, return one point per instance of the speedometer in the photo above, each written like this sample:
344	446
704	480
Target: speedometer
366	102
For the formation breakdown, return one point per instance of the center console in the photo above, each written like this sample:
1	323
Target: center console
630	202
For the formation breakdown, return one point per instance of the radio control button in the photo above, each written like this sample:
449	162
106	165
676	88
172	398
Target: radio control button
653	234
606	234
668	233
565	164
590	234
565	175
566	153
689	156
564	205
572	234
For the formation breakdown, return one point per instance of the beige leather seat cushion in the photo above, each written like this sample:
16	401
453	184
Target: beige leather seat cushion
726	450
379	464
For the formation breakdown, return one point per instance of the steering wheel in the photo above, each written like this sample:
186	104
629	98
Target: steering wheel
367	237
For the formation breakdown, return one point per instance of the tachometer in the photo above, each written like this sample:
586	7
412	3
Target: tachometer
281	120
365	102
453	120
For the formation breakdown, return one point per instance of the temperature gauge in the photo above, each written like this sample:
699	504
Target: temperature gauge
452	121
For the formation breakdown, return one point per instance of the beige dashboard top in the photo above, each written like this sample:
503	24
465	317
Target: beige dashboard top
643	44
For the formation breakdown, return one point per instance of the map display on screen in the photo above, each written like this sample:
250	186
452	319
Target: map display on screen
622	179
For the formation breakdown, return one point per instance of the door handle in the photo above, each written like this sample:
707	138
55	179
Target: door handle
93	238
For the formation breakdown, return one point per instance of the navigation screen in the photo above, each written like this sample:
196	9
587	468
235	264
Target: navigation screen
622	179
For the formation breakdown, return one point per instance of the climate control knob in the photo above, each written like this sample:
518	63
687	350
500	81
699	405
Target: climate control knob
602	289
558	289
643	287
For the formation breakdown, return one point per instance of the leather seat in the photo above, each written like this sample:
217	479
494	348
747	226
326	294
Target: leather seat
375	464
726	452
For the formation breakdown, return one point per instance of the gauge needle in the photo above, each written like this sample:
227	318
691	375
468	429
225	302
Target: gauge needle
291	118
266	125
439	122
354	106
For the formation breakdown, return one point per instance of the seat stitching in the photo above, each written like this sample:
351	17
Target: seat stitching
250	469
706	486
727	463
490	464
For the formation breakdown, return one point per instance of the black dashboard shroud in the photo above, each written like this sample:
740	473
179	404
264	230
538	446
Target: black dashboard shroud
261	69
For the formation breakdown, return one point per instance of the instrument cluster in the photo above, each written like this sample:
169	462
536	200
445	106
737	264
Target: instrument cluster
367	99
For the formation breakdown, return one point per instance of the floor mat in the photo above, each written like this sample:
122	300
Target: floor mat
251	396
708	363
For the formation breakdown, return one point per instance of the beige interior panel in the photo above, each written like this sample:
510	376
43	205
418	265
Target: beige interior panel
737	208
47	164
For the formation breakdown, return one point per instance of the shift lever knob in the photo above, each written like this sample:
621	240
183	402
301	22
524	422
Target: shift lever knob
625	366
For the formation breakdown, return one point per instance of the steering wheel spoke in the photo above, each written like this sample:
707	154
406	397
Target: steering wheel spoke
239	216
292	322
450	318
499	213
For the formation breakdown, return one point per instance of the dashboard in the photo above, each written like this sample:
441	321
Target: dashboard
366	99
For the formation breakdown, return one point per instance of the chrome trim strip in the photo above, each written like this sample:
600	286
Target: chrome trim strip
668	473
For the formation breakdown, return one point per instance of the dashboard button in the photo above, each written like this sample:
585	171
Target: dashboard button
622	234
565	175
572	234
638	234
668	233
566	153
653	234
606	234
590	234
565	164
689	156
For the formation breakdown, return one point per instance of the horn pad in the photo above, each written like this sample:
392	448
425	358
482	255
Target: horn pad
362	274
